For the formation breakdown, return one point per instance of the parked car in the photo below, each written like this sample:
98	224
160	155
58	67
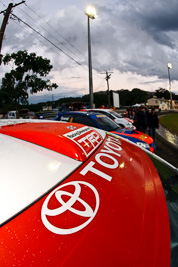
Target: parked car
73	195
12	114
27	114
31	115
23	114
103	122
123	122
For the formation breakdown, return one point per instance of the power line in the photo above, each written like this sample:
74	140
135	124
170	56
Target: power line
34	36
51	43
51	33
12	14
57	33
20	20
2	3
7	13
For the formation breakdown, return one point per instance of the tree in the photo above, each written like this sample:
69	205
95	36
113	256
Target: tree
25	78
161	92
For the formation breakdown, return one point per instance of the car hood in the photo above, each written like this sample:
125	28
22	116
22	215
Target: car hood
107	210
136	134
122	120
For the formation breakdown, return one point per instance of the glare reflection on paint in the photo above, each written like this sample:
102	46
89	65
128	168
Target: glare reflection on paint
54	166
122	165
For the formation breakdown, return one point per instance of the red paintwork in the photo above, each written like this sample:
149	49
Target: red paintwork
131	227
142	136
139	135
129	120
51	136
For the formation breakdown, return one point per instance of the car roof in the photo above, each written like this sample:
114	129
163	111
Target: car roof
49	150
84	113
40	133
102	110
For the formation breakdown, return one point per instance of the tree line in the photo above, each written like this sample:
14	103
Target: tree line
127	98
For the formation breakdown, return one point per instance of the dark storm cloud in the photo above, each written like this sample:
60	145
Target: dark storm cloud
161	18
129	36
157	19
146	33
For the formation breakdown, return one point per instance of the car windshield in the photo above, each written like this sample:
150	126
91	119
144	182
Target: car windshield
115	114
169	179
107	124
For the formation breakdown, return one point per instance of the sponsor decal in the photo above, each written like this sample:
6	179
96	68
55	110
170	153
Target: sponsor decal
100	116
107	158
72	206
63	118
143	137
55	219
86	138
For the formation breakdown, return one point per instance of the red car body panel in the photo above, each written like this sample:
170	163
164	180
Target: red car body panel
58	138
139	135
129	225
142	136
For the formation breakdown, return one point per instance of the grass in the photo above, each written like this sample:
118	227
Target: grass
170	122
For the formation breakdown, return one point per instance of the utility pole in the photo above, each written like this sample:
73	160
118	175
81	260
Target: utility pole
108	76
4	23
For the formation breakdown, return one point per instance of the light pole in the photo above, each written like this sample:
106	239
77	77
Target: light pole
91	14
169	66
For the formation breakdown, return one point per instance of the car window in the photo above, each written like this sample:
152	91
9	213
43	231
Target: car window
101	111
115	114
108	114
66	118
84	120
106	123
169	178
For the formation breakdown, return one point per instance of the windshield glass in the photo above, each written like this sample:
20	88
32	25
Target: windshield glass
169	179
115	114
106	123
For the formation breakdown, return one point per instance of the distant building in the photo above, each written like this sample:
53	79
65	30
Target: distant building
44	108
161	103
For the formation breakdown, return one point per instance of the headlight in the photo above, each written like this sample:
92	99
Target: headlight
145	145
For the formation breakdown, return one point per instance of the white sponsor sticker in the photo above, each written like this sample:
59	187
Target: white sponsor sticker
53	218
86	138
55	215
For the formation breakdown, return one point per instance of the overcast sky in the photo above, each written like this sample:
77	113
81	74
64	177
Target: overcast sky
132	39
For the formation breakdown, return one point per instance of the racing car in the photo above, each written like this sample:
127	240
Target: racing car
117	118
73	195
101	121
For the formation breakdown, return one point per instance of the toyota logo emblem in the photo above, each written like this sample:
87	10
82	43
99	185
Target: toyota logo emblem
66	211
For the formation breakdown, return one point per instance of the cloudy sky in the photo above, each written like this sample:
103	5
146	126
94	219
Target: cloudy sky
134	40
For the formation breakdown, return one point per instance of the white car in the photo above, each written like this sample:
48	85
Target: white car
12	114
123	122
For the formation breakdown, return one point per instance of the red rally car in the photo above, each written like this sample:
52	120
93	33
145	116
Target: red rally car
72	195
